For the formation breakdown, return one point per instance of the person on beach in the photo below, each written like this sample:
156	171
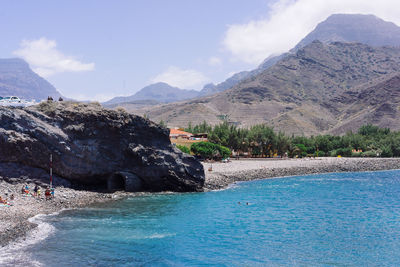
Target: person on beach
47	193
12	197
52	192
35	190
38	192
3	201
27	189
23	190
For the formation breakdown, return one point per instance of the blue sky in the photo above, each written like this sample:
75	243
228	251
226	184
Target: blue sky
99	49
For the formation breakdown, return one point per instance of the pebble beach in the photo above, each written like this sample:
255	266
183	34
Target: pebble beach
223	174
14	223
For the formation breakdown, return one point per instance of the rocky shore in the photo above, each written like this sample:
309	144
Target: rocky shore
14	222
88	148
93	146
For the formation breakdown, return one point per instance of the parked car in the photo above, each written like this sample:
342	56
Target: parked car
15	101
11	99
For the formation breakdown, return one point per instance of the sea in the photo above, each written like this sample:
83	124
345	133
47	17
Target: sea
337	219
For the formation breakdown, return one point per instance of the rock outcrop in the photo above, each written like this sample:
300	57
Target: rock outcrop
96	147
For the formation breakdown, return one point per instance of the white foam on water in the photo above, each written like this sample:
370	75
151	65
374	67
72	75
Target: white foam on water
15	254
159	236
232	185
153	236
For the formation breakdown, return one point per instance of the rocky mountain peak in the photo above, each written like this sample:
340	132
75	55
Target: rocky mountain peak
17	79
366	29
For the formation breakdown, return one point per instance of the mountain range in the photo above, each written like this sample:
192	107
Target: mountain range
366	29
317	87
343	74
17	79
293	94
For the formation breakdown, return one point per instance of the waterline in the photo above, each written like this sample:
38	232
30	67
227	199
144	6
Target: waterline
329	219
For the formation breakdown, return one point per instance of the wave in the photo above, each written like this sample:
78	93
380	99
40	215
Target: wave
15	253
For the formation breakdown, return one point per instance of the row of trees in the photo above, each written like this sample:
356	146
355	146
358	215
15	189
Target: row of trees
261	140
207	150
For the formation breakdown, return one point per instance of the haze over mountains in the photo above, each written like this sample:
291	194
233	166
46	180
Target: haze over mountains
297	94
159	92
17	79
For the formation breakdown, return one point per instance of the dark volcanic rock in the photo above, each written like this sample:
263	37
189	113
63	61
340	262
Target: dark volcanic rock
96	146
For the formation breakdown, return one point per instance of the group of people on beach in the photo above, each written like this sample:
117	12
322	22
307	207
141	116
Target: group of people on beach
4	201
48	193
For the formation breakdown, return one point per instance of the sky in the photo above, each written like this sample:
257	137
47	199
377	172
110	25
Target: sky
96	50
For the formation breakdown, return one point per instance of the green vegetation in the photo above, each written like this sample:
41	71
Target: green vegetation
184	149
208	150
262	141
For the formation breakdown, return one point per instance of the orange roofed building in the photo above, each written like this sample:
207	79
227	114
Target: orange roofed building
180	137
175	133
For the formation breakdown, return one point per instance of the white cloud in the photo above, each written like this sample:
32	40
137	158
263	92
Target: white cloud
214	61
185	79
290	20
44	58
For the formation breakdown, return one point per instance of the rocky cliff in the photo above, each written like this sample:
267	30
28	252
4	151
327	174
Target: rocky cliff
97	147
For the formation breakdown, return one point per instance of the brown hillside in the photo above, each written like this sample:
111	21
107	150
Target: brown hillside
293	94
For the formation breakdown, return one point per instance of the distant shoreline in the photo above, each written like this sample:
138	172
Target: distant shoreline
224	174
14	224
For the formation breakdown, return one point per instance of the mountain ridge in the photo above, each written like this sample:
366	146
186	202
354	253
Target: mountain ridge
17	79
290	94
160	92
336	28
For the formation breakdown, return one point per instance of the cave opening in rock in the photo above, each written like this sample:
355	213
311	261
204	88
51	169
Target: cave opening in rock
116	182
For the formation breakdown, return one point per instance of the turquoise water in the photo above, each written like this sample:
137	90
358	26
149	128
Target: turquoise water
350	219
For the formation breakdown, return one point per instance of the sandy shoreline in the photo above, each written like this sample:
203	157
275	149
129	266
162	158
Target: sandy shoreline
14	222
